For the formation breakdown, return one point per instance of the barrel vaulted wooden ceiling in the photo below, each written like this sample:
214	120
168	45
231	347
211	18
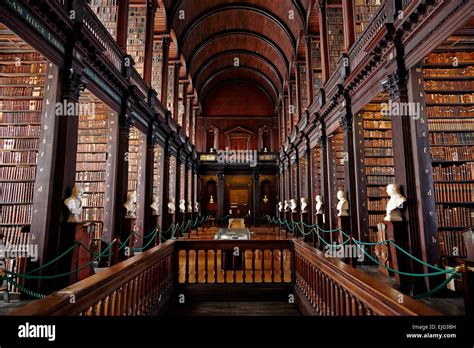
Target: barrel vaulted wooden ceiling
264	35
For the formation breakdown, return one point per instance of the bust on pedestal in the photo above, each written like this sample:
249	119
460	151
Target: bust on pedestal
171	206
394	204
319	219
74	205
304	205
189	207
343	204
155	206
196	207
182	206
80	255
397	231
131	205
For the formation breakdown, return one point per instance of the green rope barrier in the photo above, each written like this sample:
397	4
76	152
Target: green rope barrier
147	244
437	289
24	290
26	276
147	236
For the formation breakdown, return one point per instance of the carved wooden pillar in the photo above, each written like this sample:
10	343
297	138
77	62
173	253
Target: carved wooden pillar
404	165
122	23
176	67
149	36
346	123
166	218
166	41
308	193
323	32
349	24
184	110
149	220
297	87
309	69
324	176
190	111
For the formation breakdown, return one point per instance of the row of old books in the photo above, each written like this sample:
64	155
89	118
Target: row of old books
17	173
449	111
449	98
19	214
454	192
383	170
454	216
13	192
454	172
450	57
21	105
458	153
21	68
451	125
459	138
22	157
21	91
449	85
448	73
451	243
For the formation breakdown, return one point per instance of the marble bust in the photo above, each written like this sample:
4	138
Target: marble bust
293	205
211	199
74	205
131	205
394	204
182	206
196	207
171	206
286	207
319	204
155	206
280	206
304	205
343	205
190	207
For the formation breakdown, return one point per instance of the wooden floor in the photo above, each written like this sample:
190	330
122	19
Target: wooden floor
280	308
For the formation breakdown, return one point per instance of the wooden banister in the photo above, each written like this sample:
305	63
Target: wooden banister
132	287
334	288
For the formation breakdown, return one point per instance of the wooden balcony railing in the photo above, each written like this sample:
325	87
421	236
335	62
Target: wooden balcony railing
334	288
132	287
234	262
212	269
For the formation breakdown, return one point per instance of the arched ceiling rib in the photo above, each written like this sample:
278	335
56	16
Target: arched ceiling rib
239	73
262	34
246	59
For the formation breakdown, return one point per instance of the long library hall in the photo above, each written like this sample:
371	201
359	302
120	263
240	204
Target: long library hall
281	158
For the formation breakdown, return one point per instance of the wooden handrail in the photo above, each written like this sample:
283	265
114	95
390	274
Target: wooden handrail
132	287
335	288
234	262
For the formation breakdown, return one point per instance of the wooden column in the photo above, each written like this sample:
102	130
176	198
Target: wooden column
297	93
404	165
309	69
324	175
149	222
149	38
176	67
308	194
323	32
179	162
190	111
166	41
349	166
122	23
185	110
166	221
349	23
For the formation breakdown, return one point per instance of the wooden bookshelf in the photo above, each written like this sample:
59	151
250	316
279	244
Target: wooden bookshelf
450	100
378	161
303	82
107	12
364	10
316	65
169	95
316	173
22	94
334	22
136	35
92	159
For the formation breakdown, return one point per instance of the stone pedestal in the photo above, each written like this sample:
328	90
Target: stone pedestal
158	229
305	218
295	219
398	232
288	222
129	225
80	255
320	222
344	224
